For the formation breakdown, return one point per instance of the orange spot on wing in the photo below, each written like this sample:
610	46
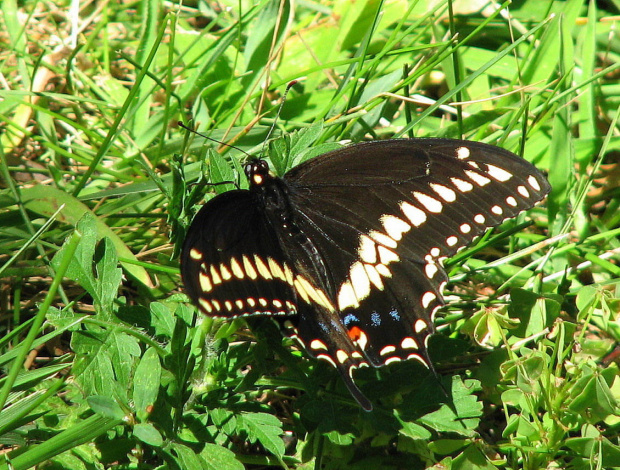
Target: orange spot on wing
355	333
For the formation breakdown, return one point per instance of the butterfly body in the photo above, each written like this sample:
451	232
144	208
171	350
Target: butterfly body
349	246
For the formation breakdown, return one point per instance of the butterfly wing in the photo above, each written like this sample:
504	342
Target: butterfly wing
384	215
232	264
352	242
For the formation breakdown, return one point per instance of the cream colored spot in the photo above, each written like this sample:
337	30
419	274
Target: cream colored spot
431	204
374	276
317	344
387	350
316	295
301	291
226	275
215	276
216	305
262	268
239	304
409	343
383	239
511	201
262	302
387	256
367	250
195	254
522	190
480	219
394	226
383	270
276	270
249	268
327	358
362	341
462	185
462	153
342	356
430	269
346	296
417	358
533	183
229	306
251	302
477	178
452	240
288	273
206	305
427	298
205	282
465	228
236	268
498	173
325	301
277	303
435	252
444	192
420	325
392	359
416	216
359	280
497	210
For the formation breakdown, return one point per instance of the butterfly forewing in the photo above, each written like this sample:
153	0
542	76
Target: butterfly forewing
386	233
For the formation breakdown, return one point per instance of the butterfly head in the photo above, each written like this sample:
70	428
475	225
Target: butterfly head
257	171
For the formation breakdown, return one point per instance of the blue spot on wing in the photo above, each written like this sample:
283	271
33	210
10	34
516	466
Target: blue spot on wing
350	318
375	319
394	314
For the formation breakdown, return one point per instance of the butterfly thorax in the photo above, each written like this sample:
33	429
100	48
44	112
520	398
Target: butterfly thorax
274	195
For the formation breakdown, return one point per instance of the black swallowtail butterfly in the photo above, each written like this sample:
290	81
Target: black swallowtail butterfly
348	246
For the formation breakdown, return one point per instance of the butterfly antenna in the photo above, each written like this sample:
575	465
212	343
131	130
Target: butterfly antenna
282	101
180	124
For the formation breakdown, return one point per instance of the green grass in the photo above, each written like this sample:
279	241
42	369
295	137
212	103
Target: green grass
105	364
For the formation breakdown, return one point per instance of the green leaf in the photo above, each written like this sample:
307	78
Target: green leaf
597	450
465	403
472	458
264	428
185	457
147	433
109	276
106	406
146	383
219	458
104	361
534	312
592	398
81	266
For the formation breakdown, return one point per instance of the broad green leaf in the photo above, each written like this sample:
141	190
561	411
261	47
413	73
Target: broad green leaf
264	428
220	458
146	383
147	433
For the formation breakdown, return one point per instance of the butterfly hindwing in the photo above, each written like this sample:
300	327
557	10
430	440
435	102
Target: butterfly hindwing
232	264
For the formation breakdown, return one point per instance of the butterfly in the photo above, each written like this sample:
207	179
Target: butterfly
347	248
